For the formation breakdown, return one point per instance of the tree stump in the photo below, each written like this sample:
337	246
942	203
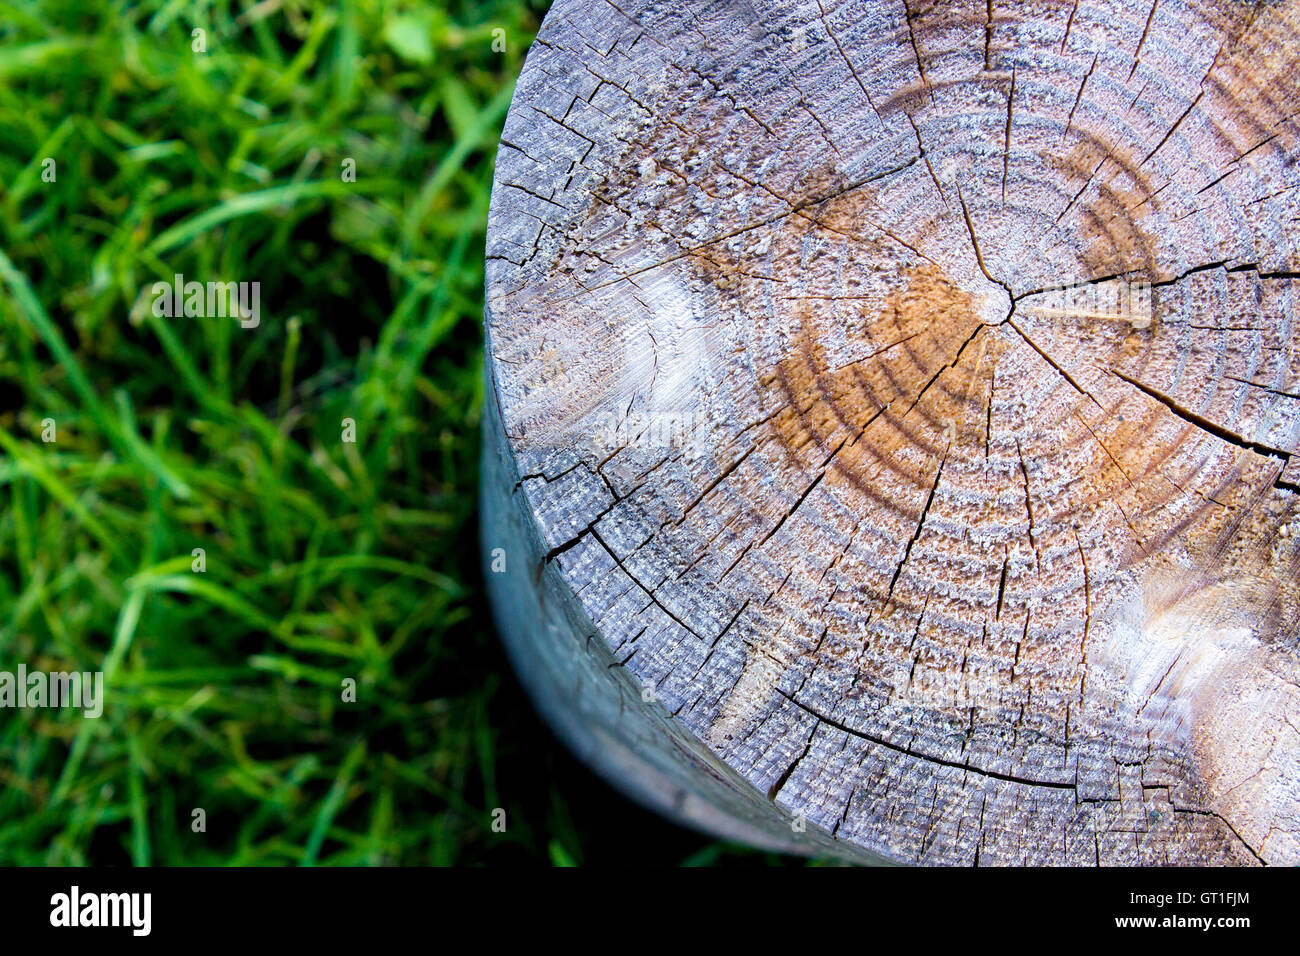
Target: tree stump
893	446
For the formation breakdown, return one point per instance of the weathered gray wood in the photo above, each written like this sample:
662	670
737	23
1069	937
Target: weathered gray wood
907	399
608	719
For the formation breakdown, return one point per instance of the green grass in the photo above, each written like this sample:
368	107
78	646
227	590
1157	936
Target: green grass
325	560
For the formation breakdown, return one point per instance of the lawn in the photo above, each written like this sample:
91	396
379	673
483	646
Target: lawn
263	534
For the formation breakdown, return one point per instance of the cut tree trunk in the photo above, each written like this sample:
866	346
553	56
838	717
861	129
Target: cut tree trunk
893	446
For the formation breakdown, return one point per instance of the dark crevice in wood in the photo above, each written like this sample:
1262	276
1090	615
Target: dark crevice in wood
939	761
1203	423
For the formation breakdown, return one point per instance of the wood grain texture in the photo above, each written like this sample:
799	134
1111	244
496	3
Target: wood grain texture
908	394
